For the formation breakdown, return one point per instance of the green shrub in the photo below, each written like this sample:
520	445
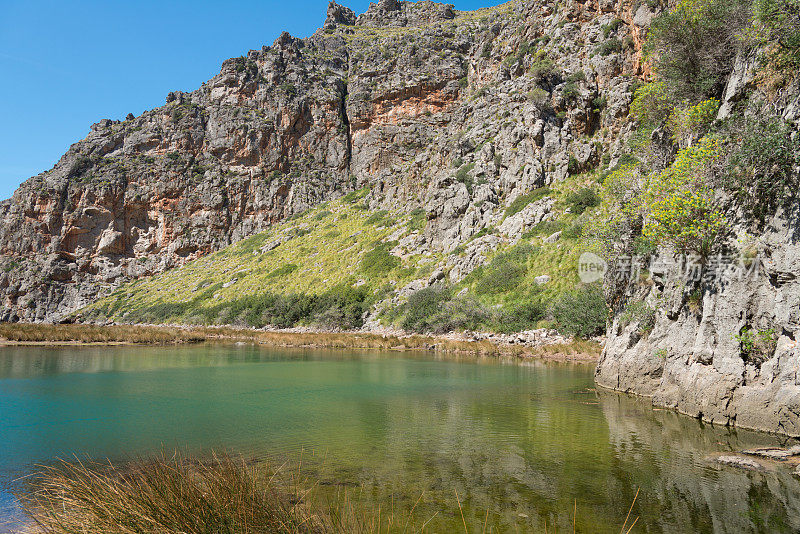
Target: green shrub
643	247
354	196
377	217
288	88
573	231
611	27
599	104
652	103
283	270
539	96
544	228
423	307
523	315
433	310
522	201
681	211
610	46
689	123
542	67
462	175
505	272
500	279
694	45
342	307
760	162
571	91
756	346
581	313
379	260
639	312
780	24
419	218
486	230
583	199
575	77
573	165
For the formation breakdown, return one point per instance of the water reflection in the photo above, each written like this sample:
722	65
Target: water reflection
525	442
685	485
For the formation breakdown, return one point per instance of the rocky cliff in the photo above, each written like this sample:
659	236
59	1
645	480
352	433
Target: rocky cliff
713	334
389	99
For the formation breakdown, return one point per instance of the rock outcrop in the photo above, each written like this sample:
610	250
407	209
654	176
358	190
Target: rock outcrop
721	343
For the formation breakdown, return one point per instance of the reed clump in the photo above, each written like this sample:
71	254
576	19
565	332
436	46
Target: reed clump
176	493
83	333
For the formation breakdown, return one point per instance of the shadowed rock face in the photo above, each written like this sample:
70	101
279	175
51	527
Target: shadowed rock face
388	99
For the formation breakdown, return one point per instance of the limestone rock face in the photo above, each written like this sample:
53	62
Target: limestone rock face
693	361
389	99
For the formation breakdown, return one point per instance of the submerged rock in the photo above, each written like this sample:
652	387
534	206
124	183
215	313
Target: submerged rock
740	462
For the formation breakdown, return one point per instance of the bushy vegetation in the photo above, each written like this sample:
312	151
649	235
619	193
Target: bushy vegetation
500	276
379	260
582	312
610	46
434	310
689	123
757	346
681	210
418	220
652	103
761	162
694	45
522	201
582	200
463	176
778	30
672	194
641	313
341	307
542	67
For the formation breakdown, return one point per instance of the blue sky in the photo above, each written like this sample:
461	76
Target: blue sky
66	65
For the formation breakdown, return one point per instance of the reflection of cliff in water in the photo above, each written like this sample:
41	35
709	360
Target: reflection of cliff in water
687	488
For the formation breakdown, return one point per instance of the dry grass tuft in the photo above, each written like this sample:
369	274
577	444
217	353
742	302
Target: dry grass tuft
54	333
174	494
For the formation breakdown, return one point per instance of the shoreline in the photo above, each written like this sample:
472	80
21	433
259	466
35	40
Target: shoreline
76	335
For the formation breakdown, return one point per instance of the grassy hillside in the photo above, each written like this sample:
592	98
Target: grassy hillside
340	260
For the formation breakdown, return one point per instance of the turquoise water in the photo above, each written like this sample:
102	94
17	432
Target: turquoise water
526	442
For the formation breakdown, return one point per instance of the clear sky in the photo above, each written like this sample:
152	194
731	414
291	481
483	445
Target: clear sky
65	65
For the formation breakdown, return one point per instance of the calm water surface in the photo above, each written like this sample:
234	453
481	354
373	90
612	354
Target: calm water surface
527	442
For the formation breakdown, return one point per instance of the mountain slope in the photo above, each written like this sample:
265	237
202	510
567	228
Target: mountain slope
390	99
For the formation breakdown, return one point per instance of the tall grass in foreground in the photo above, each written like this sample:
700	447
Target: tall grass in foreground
179	494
